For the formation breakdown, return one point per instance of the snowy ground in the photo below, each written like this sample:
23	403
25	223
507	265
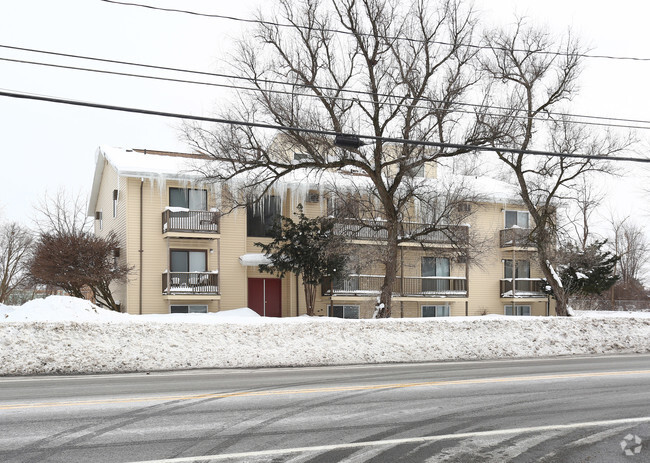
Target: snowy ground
67	335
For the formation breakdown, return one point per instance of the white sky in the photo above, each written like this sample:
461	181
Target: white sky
44	146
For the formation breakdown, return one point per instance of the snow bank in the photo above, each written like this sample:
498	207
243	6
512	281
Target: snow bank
105	342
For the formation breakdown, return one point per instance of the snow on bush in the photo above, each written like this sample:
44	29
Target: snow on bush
52	340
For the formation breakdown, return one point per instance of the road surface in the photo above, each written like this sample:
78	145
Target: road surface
555	410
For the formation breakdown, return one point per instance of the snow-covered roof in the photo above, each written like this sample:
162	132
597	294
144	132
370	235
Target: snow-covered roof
147	163
162	166
144	164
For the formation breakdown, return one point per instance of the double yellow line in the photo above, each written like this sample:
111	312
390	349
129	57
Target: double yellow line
321	390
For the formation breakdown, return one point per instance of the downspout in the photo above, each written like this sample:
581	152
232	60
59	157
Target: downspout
141	250
297	298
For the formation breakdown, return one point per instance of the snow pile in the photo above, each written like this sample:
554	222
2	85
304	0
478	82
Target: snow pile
107	342
58	308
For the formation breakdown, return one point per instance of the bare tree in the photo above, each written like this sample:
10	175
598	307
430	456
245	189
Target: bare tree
15	248
580	220
391	70
62	213
631	245
536	75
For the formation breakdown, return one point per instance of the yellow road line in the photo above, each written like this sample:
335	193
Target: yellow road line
368	387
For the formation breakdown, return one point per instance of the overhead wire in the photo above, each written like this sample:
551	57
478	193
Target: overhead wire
476	148
340	31
307	95
298	84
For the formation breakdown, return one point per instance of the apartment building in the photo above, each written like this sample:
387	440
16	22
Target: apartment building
187	255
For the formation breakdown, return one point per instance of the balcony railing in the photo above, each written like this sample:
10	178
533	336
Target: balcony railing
372	230
524	287
190	283
177	220
515	237
360	285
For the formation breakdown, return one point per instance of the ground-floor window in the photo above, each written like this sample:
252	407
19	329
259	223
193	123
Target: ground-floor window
194	308
519	310
435	310
343	311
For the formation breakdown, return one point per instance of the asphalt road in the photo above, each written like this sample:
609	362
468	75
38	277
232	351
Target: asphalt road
550	410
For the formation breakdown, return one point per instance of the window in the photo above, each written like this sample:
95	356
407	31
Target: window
417	171
343	311
116	258
301	157
517	219
435	267
342	208
435	310
313	196
115	194
192	199
522	269
188	261
188	309
261	217
520	310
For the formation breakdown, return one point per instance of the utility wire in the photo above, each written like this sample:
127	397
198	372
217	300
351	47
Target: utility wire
298	84
308	95
339	31
330	133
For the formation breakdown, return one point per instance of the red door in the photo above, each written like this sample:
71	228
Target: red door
264	296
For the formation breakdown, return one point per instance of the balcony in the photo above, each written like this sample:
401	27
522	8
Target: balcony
524	287
369	285
190	283
515	238
184	220
372	230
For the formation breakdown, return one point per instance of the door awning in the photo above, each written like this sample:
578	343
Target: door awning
254	259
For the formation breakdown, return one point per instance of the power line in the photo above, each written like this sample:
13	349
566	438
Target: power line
292	93
330	133
339	31
297	84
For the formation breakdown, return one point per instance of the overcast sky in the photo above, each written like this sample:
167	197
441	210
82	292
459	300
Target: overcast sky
44	146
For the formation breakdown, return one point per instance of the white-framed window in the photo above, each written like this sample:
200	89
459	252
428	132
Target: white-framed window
431	267
517	219
522	269
519	310
188	308
343	311
435	310
193	199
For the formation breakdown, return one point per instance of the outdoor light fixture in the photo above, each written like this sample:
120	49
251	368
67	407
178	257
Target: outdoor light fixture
350	142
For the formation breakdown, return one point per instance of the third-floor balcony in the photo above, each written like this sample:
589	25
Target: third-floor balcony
375	231
178	219
515	238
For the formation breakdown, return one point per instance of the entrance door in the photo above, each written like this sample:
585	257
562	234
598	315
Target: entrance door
264	296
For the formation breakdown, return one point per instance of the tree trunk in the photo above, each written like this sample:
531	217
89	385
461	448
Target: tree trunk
553	280
384	307
310	298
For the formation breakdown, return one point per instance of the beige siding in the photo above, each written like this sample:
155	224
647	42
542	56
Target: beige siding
224	249
118	223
